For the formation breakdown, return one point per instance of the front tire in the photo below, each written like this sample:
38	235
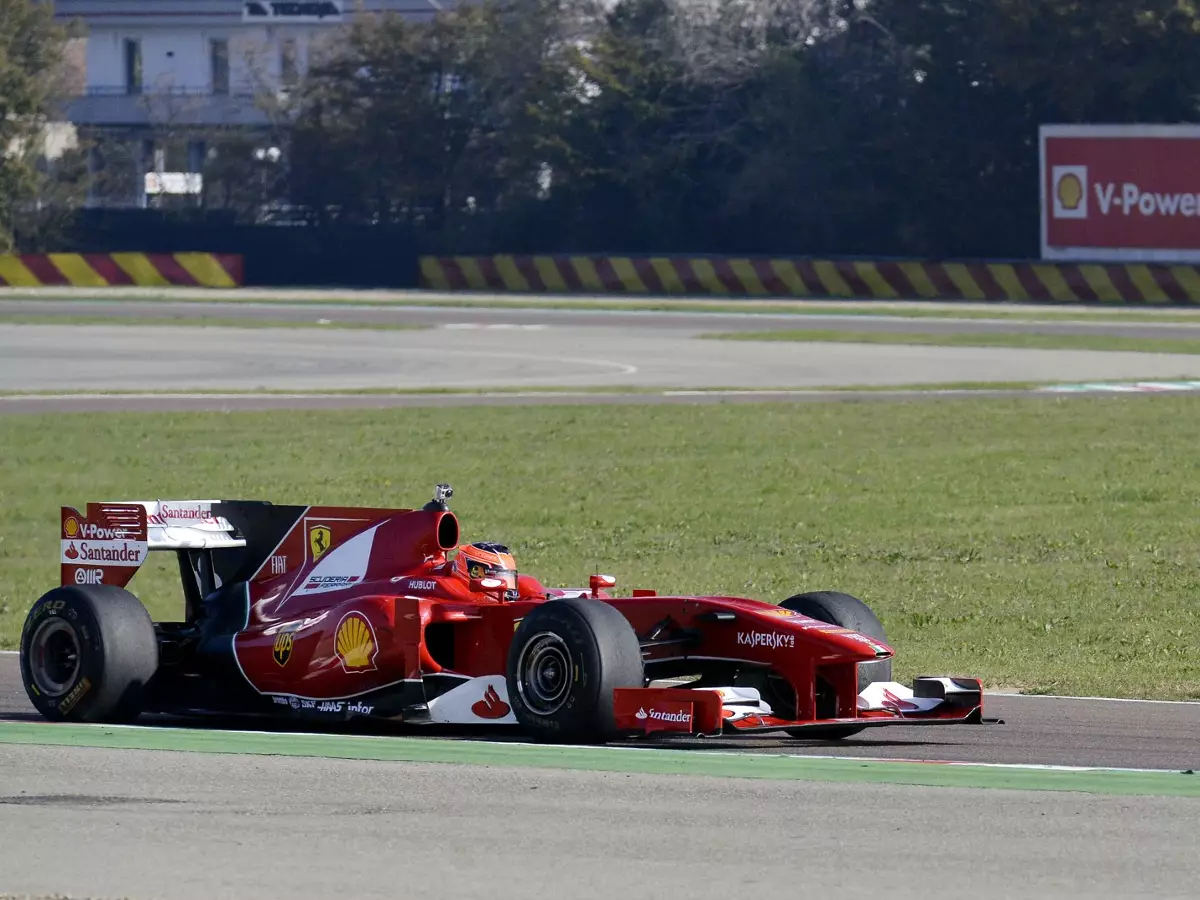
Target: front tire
566	658
844	611
87	654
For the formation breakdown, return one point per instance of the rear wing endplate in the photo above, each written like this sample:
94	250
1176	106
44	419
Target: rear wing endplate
109	543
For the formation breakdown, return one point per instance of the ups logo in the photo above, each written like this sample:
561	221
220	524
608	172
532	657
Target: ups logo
282	651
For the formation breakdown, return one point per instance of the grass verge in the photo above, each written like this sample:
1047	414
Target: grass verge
1044	544
973	339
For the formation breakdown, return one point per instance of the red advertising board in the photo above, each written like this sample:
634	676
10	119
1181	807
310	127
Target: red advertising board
1121	192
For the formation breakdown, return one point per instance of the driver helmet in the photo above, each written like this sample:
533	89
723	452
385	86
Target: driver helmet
486	559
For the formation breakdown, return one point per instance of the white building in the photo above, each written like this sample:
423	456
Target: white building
161	75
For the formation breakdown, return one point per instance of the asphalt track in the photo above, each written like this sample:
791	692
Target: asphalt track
638	320
485	349
1037	730
138	824
141	825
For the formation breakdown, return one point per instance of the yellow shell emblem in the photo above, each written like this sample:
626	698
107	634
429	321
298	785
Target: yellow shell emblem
355	643
1070	191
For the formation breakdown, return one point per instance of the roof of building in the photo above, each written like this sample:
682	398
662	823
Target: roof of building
232	12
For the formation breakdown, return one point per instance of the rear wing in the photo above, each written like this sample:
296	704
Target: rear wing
110	542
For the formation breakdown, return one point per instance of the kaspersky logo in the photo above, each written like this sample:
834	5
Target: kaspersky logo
1069	186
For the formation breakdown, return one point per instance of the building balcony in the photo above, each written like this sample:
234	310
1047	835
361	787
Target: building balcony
113	106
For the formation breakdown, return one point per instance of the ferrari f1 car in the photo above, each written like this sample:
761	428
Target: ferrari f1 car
333	613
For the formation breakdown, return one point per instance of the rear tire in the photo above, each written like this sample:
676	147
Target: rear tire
87	654
566	658
844	611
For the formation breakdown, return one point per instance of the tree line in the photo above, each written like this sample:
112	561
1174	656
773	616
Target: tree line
812	127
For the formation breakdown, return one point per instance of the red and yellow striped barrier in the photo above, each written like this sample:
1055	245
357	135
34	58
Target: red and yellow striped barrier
216	270
1025	282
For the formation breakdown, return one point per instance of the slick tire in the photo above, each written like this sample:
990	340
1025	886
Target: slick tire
565	660
847	612
87	654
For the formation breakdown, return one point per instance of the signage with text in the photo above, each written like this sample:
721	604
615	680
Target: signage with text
292	10
1121	192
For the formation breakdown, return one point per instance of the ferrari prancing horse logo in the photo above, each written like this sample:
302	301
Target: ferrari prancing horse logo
318	540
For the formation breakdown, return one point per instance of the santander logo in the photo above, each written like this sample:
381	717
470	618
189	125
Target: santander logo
191	514
659	715
491	706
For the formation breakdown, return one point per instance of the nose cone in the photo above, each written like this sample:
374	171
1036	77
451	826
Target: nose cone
842	643
852	643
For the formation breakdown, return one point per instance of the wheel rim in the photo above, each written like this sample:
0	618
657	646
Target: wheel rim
544	673
54	657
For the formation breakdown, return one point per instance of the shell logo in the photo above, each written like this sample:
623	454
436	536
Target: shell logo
355	643
1070	191
1070	198
71	527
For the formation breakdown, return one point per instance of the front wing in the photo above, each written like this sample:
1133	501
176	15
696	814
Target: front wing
932	700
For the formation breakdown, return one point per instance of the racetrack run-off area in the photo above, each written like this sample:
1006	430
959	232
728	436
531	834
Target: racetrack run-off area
287	827
438	348
1043	540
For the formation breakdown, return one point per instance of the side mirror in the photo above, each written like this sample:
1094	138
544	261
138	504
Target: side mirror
601	582
486	585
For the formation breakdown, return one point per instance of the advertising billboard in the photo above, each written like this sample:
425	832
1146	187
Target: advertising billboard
1120	193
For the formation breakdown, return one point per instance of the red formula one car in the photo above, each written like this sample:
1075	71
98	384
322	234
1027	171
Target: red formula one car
332	613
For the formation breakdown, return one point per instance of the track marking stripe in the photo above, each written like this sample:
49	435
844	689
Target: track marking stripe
642	760
530	745
1100	699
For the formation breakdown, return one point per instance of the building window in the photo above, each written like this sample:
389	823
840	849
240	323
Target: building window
289	72
218	51
195	156
133	66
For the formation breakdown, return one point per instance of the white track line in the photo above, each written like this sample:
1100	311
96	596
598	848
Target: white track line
660	751
987	693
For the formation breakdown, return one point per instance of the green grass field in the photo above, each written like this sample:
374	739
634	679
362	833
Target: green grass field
973	339
1047	544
